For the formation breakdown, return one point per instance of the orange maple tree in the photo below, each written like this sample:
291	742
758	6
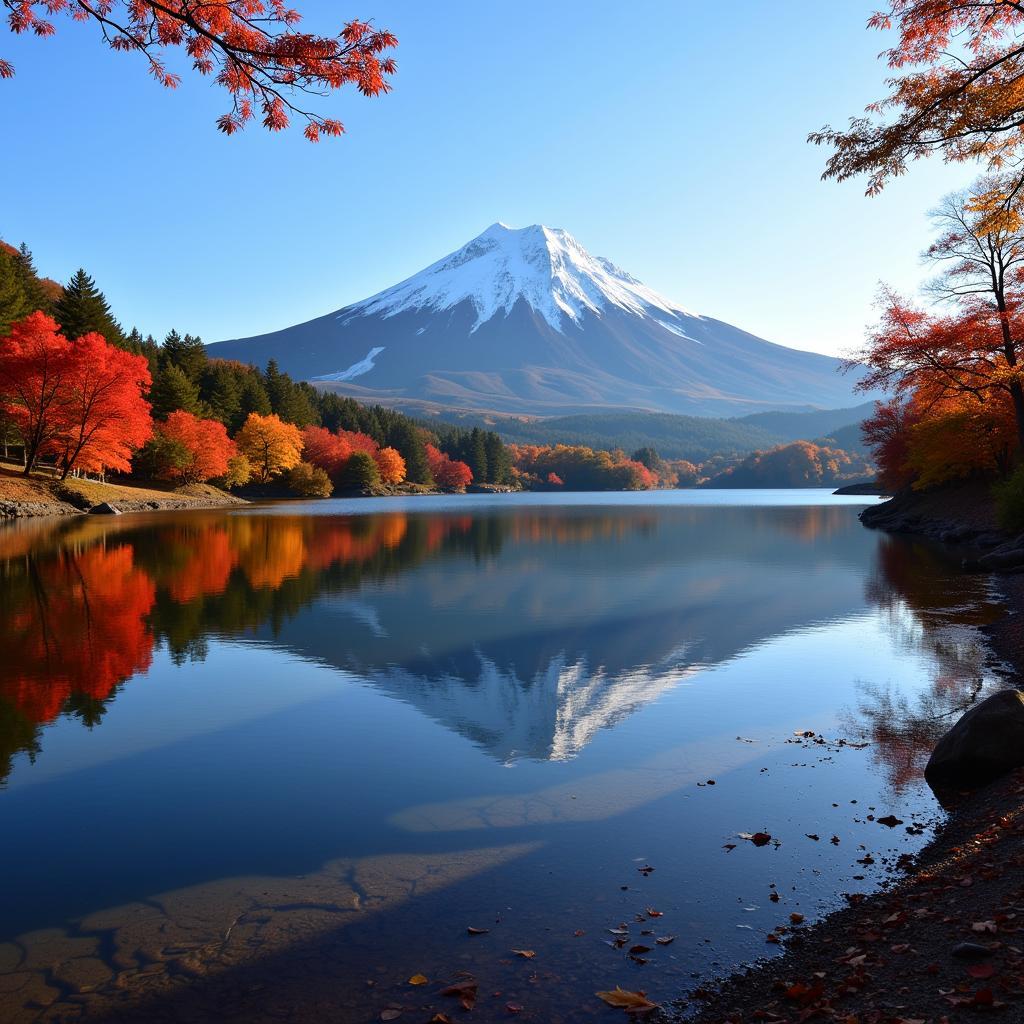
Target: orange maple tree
271	445
957	89
253	49
204	443
391	465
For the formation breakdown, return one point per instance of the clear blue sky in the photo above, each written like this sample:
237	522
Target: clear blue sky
666	135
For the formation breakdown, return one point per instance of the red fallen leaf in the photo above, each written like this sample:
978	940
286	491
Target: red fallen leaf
440	1018
796	918
981	970
654	913
579	932
637	949
761	838
478	931
772	937
460	989
801	993
526	954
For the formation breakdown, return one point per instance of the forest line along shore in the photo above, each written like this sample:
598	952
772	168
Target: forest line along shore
945	942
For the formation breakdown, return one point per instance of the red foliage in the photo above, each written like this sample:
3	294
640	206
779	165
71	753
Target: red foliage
251	47
447	473
206	442
555	480
80	402
887	434
103	417
87	636
35	362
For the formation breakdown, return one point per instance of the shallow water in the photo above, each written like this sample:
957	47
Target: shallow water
262	759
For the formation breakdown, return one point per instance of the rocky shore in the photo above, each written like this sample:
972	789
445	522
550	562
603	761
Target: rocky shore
944	942
24	497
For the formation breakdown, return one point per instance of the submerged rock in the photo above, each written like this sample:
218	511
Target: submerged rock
104	508
987	742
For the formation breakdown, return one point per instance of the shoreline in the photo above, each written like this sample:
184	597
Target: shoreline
940	940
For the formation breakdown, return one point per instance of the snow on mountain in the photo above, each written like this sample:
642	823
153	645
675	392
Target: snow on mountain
546	267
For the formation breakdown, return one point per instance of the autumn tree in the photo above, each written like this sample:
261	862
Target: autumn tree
271	445
252	48
35	360
102	416
391	465
447	472
205	444
956	90
308	481
83	309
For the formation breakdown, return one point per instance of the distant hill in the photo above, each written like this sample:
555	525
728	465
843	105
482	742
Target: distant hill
687	437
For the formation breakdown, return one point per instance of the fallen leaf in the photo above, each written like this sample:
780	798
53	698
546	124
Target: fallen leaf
654	913
526	954
890	820
513	1008
478	931
440	1018
625	1000
637	949
390	1014
664	940
418	979
796	918
981	971
761	838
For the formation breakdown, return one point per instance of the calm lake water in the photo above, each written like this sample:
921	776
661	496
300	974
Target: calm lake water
272	763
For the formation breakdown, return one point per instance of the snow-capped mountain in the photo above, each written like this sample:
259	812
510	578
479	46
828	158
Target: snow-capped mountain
527	321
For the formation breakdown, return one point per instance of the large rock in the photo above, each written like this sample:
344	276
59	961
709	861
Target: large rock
104	509
987	742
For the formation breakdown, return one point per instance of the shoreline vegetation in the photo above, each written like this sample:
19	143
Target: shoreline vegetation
943	939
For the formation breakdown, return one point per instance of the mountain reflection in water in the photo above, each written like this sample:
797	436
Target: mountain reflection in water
527	630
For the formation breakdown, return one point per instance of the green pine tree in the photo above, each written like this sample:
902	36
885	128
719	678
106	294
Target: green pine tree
359	473
38	297
83	308
173	390
477	455
14	303
499	462
287	398
188	353
221	389
409	442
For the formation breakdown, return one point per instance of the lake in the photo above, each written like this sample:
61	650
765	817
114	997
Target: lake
274	763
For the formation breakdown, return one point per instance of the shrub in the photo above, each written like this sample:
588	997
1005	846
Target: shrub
360	473
309	481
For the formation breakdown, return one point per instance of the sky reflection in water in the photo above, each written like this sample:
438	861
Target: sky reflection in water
362	727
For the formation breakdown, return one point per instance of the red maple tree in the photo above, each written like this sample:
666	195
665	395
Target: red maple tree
447	472
102	417
252	47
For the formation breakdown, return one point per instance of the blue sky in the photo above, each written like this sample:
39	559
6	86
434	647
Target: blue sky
666	136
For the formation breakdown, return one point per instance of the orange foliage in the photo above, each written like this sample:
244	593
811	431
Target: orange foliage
252	48
205	442
271	445
391	465
957	91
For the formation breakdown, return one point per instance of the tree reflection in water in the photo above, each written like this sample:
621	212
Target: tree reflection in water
932	606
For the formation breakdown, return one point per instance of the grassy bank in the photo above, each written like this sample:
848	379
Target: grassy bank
42	495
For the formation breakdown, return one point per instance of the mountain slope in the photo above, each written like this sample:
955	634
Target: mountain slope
527	322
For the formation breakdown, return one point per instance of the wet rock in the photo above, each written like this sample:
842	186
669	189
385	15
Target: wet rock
970	951
104	508
987	742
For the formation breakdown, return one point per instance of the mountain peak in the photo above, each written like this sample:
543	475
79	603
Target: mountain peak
545	267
